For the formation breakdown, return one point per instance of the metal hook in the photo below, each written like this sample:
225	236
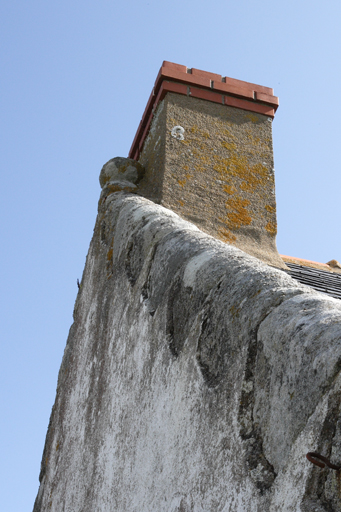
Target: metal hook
312	456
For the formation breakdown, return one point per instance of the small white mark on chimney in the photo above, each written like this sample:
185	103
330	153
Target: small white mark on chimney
178	132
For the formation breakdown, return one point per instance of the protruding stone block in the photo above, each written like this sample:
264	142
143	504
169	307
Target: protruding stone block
121	169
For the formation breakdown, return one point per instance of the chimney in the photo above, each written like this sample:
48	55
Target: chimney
205	142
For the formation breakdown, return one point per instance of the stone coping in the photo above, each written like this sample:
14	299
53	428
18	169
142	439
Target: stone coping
207	86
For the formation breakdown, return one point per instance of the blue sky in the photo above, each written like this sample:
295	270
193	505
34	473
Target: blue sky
75	78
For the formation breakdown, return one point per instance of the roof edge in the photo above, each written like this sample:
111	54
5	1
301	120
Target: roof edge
311	264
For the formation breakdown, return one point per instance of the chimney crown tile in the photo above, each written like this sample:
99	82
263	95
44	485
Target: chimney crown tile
212	87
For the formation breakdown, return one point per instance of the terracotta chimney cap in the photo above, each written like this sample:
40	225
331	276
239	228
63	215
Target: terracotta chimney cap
204	85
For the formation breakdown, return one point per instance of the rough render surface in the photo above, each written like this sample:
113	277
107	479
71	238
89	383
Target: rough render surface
223	166
195	378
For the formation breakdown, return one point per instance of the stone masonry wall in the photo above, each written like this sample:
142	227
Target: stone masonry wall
195	378
218	173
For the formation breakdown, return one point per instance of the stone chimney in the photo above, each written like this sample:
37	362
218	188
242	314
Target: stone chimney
205	142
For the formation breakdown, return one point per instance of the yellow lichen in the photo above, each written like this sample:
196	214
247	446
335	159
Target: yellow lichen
239	216
205	159
271	228
270	209
253	118
246	187
199	168
226	236
110	189
228	133
184	180
231	146
252	177
230	190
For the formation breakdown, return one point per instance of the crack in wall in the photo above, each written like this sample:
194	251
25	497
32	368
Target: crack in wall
262	472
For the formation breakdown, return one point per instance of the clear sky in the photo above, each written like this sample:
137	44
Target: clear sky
75	78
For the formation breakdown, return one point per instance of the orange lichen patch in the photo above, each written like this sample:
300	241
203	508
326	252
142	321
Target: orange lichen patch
270	209
226	236
252	177
230	190
231	146
195	129
221	165
255	144
184	180
205	159
246	187
228	133
260	169
271	228
239	216
253	118
110	189
199	168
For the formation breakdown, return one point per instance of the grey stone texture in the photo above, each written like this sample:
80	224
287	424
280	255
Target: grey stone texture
120	173
195	378
213	165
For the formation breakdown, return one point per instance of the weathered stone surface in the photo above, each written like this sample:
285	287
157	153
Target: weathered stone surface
121	169
213	165
195	378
